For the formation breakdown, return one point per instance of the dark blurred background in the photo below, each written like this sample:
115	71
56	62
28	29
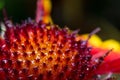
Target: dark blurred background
85	15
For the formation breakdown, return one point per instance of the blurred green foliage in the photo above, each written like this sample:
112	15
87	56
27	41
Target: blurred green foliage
1	4
86	15
18	10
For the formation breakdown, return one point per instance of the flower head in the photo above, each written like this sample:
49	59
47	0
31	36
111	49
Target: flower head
43	51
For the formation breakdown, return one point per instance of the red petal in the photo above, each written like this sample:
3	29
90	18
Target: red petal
111	62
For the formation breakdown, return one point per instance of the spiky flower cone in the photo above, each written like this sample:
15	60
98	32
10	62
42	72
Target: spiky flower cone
38	51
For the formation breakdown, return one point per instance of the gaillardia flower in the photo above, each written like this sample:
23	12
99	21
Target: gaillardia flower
40	51
36	50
